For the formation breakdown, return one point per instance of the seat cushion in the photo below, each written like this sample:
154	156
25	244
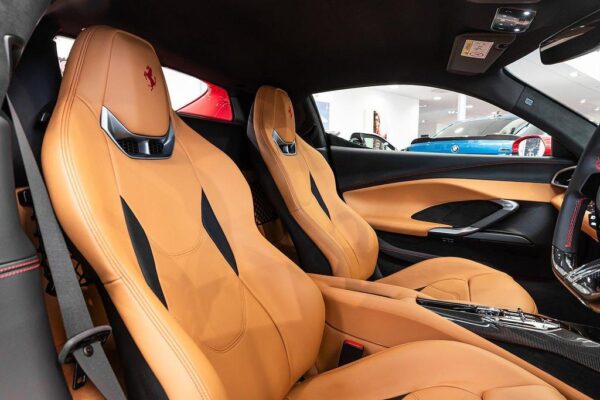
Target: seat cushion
427	370
459	279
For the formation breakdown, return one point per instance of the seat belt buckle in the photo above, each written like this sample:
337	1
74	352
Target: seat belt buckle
351	351
83	341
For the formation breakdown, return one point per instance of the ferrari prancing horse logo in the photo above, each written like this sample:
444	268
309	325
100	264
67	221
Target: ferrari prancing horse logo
150	77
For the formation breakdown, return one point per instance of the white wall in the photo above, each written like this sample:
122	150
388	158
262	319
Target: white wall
351	110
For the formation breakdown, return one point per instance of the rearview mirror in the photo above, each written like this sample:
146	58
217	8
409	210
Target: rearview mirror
529	146
574	41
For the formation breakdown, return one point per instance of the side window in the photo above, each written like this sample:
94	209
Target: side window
426	119
189	95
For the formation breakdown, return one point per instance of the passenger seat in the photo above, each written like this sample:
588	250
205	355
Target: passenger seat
349	245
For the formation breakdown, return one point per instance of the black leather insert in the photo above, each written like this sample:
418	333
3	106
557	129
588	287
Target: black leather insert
458	214
315	191
214	230
143	252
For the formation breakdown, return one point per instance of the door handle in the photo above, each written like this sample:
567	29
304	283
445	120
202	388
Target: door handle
508	207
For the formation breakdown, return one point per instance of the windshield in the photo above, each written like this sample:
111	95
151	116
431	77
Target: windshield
506	125
574	83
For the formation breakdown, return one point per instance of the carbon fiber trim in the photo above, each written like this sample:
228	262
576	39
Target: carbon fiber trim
552	336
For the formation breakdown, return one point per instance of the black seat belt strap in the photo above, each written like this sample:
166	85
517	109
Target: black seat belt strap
84	342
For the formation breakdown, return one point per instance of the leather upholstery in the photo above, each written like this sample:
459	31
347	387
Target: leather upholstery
427	370
222	335
378	205
585	224
348	242
246	332
459	279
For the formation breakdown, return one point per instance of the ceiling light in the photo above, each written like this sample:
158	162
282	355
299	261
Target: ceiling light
517	30
423	121
451	112
527	13
574	74
437	98
469	105
597	109
422	105
582	101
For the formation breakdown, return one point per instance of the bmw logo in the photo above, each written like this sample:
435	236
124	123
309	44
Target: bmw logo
454	148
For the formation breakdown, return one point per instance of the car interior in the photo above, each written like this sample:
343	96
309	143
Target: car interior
233	247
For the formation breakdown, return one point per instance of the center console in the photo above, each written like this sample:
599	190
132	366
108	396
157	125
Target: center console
574	342
381	316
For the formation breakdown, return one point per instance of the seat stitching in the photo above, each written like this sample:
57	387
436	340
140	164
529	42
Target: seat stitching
480	275
83	206
448	386
243	284
142	301
525	386
350	266
457	296
244	311
298	208
235	341
192	247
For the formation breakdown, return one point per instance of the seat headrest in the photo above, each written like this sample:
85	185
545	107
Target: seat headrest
119	71
273	110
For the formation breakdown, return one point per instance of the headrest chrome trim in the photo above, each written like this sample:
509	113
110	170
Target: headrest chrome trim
287	148
118	133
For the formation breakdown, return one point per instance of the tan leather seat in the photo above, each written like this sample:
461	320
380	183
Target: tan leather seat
216	311
307	185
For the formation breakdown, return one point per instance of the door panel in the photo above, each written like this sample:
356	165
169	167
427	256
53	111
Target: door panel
405	195
359	168
391	207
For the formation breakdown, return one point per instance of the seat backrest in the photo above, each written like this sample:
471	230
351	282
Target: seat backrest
166	220
307	185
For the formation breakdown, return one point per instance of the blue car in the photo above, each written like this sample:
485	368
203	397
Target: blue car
494	135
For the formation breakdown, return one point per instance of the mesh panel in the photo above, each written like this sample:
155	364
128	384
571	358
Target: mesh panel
129	146
156	146
263	210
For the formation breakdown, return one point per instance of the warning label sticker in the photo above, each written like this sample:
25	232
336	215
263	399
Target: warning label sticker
476	49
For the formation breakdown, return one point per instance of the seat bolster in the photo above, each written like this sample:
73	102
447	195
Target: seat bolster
181	368
512	393
451	370
459	279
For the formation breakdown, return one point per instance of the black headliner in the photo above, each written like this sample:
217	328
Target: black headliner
312	45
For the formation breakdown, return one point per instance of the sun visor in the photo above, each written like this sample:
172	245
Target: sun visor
474	53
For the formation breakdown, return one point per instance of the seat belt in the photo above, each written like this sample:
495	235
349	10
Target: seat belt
84	343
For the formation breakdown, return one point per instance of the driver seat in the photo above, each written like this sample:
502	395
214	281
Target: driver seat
327	231
166	221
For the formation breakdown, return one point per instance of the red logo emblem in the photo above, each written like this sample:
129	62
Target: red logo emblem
290	111
150	77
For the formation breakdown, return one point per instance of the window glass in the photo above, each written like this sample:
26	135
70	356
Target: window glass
189	95
574	83
426	119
